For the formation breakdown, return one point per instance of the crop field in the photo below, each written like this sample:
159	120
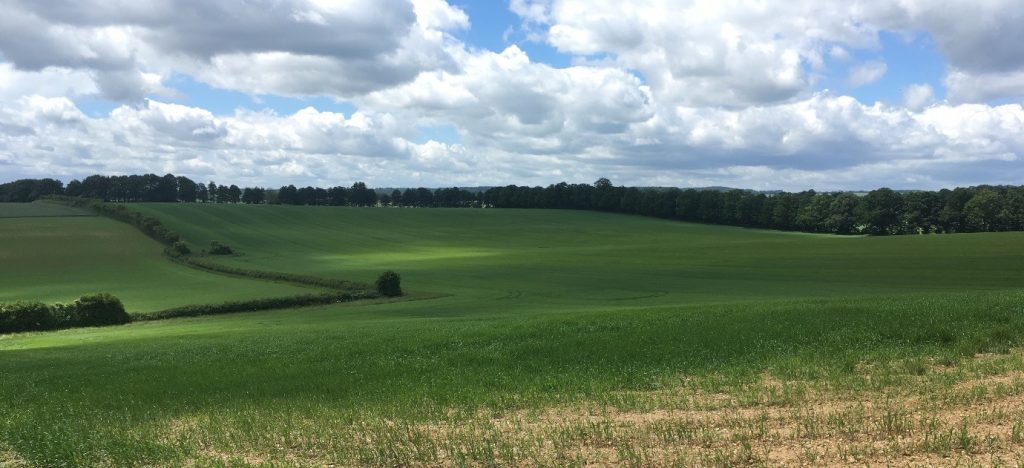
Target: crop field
53	253
527	337
39	210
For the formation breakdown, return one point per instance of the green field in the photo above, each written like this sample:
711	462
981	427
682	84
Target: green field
39	210
549	260
552	338
50	256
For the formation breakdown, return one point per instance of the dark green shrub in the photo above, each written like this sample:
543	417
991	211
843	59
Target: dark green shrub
92	311
216	248
389	284
178	249
26	316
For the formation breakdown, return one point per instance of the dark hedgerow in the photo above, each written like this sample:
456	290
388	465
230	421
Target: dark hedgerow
26	316
254	305
389	284
92	311
88	311
216	248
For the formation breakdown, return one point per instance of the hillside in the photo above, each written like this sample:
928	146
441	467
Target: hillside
558	338
574	259
53	253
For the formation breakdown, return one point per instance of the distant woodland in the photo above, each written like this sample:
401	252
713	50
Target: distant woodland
878	212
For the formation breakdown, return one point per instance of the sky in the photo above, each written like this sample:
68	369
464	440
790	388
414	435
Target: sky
794	95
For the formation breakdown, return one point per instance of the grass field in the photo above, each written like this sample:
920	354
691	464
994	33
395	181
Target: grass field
558	260
559	338
50	255
39	210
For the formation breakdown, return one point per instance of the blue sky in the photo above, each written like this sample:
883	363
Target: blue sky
428	92
910	59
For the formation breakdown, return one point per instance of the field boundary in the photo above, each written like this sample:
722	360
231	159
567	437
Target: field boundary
253	305
338	290
300	280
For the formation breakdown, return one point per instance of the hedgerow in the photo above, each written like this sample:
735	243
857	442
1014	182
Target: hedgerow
254	305
80	313
26	316
95	310
149	225
88	311
180	252
304	280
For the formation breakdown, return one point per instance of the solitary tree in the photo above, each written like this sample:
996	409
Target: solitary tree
389	284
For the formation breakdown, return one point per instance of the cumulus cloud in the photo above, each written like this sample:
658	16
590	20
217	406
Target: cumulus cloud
918	96
704	52
52	136
976	36
965	86
824	142
327	48
50	82
695	92
505	100
982	40
867	73
739	52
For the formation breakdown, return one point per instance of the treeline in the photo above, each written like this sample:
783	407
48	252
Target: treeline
154	188
360	195
26	190
171	188
879	212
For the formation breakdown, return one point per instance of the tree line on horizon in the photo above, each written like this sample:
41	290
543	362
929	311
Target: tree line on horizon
171	188
878	212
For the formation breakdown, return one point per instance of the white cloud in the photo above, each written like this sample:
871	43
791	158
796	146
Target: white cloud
51	82
324	48
742	52
824	142
867	73
918	96
979	36
965	86
694	92
703	52
504	100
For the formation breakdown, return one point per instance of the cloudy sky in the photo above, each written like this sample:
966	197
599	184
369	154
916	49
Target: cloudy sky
758	94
